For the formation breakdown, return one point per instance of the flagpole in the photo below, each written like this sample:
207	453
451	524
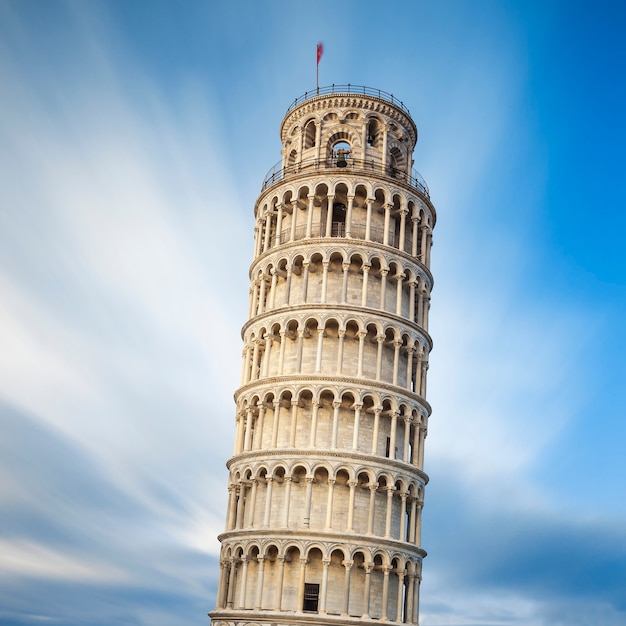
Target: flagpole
317	69
318	55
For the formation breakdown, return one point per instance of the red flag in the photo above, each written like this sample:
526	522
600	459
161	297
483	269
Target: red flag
320	51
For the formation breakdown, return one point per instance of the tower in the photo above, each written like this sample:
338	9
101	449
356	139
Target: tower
326	483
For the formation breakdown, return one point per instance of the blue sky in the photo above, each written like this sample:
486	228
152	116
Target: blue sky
134	137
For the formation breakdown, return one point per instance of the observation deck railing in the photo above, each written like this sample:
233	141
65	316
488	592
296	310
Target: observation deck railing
356	166
349	89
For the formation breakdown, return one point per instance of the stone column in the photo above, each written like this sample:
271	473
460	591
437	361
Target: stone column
336	406
265	363
258	603
366	271
287	501
407	438
399	607
346	595
329	216
268	228
299	349
300	605
318	358
248	431
276	404
349	216
329	503
309	220
232	507
281	578
325	265
257	442
241	505
352	484
294	219
294	423
412	285
305	281
409	368
379	356
314	410
341	338
418	523
408	618
274	273
392	434
261	303
361	335
366	590
399	278
383	288
324	589
403	496
386	224
288	285
307	505
413	520
281	354
255	361
377	412
268	501
370	517
231	583
396	360
414	220
244	583
279	225
368	220
403	214
386	570
252	507
357	420
390	490
344	286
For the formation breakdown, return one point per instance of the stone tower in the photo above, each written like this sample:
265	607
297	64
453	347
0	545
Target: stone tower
326	483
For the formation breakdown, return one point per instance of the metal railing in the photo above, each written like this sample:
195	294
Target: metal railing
349	89
357	166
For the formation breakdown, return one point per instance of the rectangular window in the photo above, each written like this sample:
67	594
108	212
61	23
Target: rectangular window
311	597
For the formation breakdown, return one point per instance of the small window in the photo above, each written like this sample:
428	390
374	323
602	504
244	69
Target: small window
311	597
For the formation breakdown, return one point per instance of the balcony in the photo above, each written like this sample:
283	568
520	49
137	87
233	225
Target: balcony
354	166
357	90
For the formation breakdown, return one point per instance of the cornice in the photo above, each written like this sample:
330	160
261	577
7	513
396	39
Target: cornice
383	462
314	380
357	540
346	310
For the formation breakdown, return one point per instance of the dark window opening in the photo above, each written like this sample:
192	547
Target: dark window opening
311	597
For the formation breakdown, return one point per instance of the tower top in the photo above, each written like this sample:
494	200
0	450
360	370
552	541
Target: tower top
350	96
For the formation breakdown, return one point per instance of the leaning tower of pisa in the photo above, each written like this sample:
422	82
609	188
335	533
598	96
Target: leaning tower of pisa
326	483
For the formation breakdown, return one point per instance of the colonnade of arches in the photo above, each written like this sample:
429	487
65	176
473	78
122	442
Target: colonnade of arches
369	212
352	276
330	345
313	578
331	419
289	494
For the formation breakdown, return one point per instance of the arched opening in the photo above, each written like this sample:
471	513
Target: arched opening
309	134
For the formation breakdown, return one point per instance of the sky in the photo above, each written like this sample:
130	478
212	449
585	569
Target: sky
134	137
